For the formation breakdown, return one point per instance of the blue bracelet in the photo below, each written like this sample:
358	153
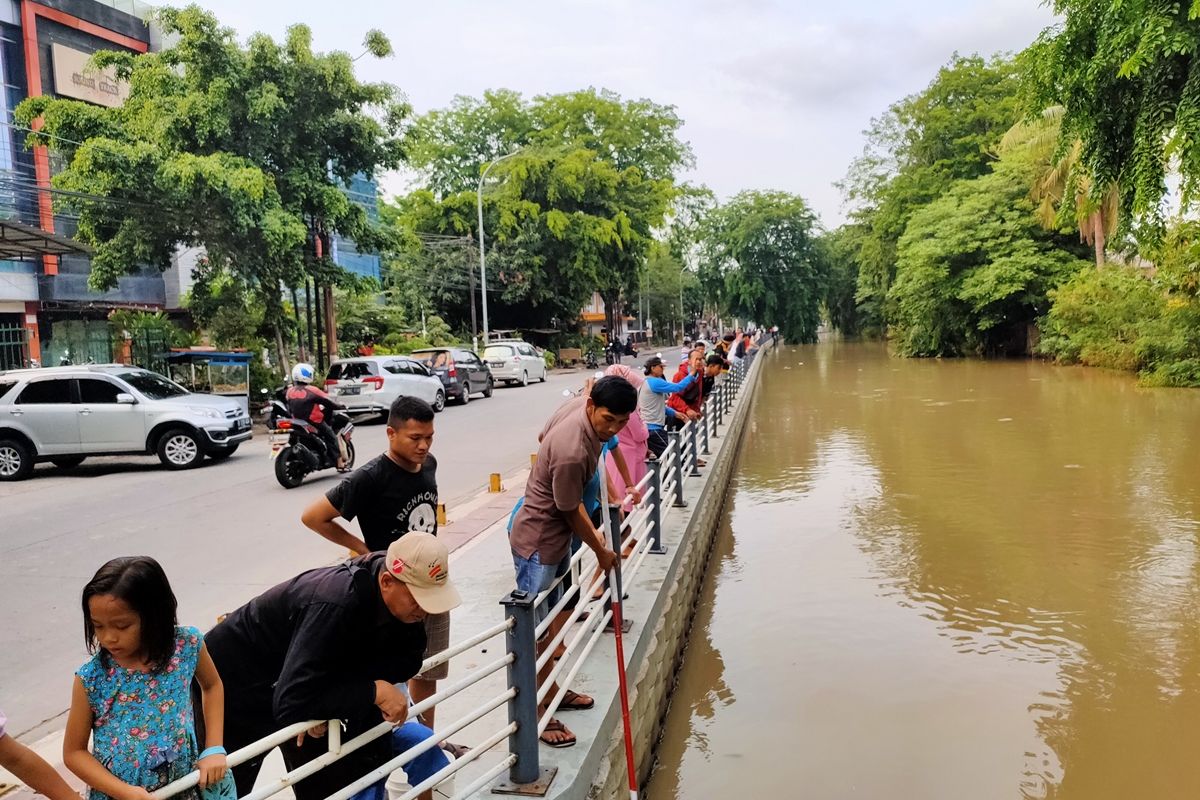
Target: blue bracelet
215	750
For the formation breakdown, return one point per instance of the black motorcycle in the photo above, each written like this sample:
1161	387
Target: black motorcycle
297	448
589	360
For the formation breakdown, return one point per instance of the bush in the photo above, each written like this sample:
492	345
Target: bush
549	358
1120	318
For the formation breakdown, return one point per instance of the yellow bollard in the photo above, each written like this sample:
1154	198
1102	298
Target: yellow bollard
494	484
441	514
532	460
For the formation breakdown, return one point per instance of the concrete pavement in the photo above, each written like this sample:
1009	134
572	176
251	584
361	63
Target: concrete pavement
223	532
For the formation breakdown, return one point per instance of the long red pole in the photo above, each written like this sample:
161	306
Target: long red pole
614	588
613	583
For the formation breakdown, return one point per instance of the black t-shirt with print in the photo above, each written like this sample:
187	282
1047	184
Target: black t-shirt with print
388	500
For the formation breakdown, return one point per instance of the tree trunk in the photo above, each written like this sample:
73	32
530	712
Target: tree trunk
281	351
331	342
1098	237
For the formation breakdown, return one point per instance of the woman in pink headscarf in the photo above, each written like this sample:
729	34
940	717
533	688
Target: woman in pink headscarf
633	437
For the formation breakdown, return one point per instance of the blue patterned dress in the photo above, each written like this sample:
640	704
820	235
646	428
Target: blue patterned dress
143	729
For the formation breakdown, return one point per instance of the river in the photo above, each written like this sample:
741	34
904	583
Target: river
948	579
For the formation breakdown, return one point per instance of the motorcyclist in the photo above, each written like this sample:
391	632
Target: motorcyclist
312	405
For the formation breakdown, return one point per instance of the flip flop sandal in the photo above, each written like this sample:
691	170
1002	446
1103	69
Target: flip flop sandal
574	701
456	750
557	727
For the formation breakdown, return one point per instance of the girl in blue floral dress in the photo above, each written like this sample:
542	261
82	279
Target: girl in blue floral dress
133	698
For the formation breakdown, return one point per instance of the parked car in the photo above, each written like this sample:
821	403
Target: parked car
461	372
65	414
514	361
370	384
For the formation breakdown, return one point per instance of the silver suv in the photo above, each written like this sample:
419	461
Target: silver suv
65	414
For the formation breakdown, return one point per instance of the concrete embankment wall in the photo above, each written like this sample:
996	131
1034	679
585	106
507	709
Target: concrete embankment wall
661	604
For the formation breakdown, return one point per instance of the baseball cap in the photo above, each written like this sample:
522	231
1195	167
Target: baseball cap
652	362
421	562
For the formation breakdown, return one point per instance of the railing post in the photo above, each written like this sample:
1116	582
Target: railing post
656	501
676	438
694	447
706	422
719	405
522	677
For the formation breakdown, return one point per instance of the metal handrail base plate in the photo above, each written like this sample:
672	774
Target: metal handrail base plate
538	788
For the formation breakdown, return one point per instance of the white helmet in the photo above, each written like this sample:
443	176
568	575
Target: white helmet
303	373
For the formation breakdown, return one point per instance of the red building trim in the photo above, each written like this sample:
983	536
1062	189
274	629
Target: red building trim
30	12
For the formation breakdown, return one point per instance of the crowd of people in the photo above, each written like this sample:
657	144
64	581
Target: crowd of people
158	700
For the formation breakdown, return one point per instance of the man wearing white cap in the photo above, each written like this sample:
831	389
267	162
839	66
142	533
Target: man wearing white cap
332	643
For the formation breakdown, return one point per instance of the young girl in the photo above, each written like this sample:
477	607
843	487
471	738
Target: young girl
133	698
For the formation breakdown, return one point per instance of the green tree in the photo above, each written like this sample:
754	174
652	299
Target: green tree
842	248
241	150
1128	76
915	151
764	246
573	212
974	267
1062	188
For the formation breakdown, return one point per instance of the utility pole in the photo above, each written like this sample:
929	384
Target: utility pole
482	262
474	323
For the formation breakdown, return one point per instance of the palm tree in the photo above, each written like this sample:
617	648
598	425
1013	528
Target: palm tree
1063	178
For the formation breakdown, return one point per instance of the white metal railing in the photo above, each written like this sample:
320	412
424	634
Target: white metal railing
338	749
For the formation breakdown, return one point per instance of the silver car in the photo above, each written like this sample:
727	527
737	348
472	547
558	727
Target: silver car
372	383
514	361
65	414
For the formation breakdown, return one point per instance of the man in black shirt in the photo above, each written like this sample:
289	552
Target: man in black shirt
330	643
392	494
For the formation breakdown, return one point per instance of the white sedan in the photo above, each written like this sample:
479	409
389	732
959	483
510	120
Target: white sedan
514	362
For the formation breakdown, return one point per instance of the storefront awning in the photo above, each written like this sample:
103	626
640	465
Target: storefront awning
21	242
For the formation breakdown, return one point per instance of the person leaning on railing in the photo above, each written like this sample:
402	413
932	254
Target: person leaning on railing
652	402
332	643
553	509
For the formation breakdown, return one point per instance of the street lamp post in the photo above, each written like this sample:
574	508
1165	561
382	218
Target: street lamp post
482	261
682	323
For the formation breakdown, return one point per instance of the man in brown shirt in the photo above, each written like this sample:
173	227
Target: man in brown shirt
553	511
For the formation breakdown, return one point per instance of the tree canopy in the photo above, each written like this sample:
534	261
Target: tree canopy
573	210
974	267
920	146
1128	77
762	248
218	146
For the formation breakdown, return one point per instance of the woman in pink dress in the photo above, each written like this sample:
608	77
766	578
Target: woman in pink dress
632	439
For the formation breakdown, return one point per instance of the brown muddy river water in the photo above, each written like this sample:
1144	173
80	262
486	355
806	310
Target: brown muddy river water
948	579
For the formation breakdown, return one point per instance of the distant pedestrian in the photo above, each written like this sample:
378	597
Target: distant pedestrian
30	768
391	495
553	510
652	402
133	699
724	348
332	643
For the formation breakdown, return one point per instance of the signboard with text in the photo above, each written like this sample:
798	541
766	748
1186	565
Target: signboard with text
73	77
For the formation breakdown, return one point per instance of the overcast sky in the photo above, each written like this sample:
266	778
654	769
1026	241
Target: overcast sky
774	95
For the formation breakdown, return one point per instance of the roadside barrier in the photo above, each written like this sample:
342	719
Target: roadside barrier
588	605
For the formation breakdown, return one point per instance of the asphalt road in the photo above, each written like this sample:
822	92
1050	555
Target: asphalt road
224	532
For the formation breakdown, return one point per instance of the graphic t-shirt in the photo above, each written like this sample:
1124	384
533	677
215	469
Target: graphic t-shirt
388	500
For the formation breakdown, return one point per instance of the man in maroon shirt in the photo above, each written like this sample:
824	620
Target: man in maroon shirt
553	510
